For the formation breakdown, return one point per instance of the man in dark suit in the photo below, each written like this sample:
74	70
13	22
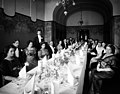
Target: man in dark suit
65	44
18	51
38	40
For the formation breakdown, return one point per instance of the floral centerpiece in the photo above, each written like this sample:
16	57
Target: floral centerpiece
55	69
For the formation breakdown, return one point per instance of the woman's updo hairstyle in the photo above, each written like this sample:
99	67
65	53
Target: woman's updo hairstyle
6	49
112	48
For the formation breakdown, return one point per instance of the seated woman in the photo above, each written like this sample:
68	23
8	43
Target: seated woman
10	66
31	59
44	51
91	53
29	45
94	60
26	50
106	69
59	47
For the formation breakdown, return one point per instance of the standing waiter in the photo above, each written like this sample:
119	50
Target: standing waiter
38	39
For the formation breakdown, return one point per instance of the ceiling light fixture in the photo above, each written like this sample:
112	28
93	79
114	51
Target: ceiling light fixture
81	20
65	4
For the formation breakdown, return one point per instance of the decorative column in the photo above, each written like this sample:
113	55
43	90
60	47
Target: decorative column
9	7
33	9
48	31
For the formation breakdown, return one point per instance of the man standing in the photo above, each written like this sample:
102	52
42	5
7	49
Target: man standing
38	39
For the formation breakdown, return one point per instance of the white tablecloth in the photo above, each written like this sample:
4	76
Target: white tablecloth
12	88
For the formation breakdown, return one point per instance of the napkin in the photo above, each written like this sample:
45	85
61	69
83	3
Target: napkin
56	86
53	55
39	65
44	61
52	88
29	87
70	77
22	73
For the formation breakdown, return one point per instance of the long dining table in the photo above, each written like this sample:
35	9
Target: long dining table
77	70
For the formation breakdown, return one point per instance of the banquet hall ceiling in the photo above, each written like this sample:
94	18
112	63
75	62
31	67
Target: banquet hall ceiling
104	7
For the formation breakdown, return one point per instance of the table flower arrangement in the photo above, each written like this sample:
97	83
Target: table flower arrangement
54	70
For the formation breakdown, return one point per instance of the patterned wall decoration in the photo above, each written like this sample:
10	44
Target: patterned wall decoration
72	32
116	30
17	27
48	31
19	23
23	28
117	25
95	31
59	32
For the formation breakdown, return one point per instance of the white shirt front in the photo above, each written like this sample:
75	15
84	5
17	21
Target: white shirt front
99	50
52	48
39	38
17	52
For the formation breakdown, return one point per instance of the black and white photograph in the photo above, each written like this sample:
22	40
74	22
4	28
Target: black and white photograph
59	46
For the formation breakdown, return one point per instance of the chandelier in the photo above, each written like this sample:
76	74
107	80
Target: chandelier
65	4
81	20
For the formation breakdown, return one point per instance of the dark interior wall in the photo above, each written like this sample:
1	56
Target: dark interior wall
108	34
54	31
116	30
59	32
23	28
17	27
95	31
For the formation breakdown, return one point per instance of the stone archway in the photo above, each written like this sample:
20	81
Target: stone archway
103	7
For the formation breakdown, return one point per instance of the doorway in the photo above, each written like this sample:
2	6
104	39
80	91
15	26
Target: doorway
82	34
